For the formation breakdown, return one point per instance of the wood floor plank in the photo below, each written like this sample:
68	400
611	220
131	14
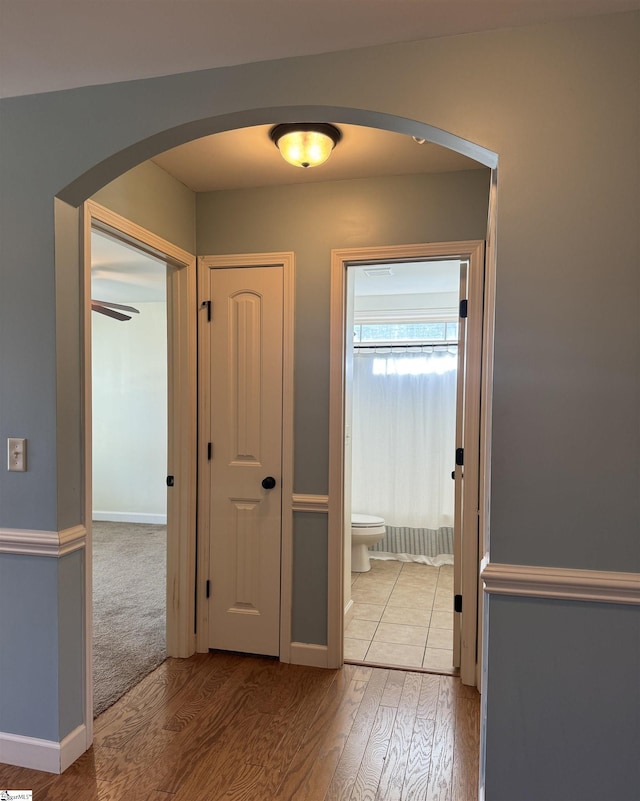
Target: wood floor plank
310	773
110	718
393	688
98	762
223	763
359	672
154	743
233	728
25	778
84	788
316	689
201	736
416	778
140	706
392	778
429	692
440	776
147	747
281	691
349	764
467	748
368	777
253	783
188	702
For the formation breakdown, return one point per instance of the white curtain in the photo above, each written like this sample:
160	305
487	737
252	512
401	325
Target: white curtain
403	446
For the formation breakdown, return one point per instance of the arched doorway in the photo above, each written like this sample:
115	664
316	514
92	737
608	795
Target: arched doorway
91	180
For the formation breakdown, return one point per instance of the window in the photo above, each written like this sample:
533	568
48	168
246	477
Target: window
405	332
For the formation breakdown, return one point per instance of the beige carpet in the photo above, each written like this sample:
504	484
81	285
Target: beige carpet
129	607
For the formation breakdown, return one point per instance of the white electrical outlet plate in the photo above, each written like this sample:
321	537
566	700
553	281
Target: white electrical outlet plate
17	454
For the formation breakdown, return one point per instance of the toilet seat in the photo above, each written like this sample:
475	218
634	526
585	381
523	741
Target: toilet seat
366	521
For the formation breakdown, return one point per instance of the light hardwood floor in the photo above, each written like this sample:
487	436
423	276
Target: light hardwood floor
239	728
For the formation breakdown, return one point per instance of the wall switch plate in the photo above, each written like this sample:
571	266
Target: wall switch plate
16	454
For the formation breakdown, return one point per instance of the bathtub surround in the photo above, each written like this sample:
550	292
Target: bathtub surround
404	435
411	543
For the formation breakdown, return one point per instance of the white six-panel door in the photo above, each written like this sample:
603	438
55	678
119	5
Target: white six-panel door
245	424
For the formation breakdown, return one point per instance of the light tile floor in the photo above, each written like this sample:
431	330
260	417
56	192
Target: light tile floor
402	616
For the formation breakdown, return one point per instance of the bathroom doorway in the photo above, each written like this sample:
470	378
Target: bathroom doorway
401	447
411	369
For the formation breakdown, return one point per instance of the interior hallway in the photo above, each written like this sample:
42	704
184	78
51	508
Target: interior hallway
251	729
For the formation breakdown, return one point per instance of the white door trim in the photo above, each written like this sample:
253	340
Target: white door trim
473	251
287	262
181	326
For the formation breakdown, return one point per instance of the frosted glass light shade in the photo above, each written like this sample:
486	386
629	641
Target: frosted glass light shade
305	145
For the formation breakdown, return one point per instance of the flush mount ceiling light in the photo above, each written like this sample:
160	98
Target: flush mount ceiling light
305	144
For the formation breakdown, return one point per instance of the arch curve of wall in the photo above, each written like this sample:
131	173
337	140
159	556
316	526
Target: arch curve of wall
111	168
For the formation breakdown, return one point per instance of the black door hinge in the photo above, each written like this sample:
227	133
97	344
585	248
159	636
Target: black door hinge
457	603
460	456
464	308
207	304
209	450
207	589
170	481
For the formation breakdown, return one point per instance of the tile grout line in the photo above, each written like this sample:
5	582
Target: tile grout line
437	590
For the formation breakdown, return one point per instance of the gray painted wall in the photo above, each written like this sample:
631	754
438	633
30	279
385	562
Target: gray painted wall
309	617
311	220
555	664
559	105
150	197
29	652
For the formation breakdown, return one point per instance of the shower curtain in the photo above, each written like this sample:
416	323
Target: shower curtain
403	446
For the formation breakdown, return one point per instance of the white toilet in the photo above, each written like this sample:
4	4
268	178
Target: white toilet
366	530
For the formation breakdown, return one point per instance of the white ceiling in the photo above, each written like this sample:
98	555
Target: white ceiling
47	45
247	157
419	277
121	273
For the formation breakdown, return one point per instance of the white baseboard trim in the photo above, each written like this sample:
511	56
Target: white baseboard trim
73	746
129	517
603	586
42	543
46	755
305	653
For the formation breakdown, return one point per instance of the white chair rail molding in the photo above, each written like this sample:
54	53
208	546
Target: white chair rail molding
534	581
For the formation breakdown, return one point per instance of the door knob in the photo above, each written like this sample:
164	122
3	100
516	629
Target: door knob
269	482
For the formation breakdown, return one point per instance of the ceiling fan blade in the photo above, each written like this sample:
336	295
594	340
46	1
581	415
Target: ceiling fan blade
109	312
116	306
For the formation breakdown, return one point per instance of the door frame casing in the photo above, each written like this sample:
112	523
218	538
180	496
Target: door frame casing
286	260
473	252
181	425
